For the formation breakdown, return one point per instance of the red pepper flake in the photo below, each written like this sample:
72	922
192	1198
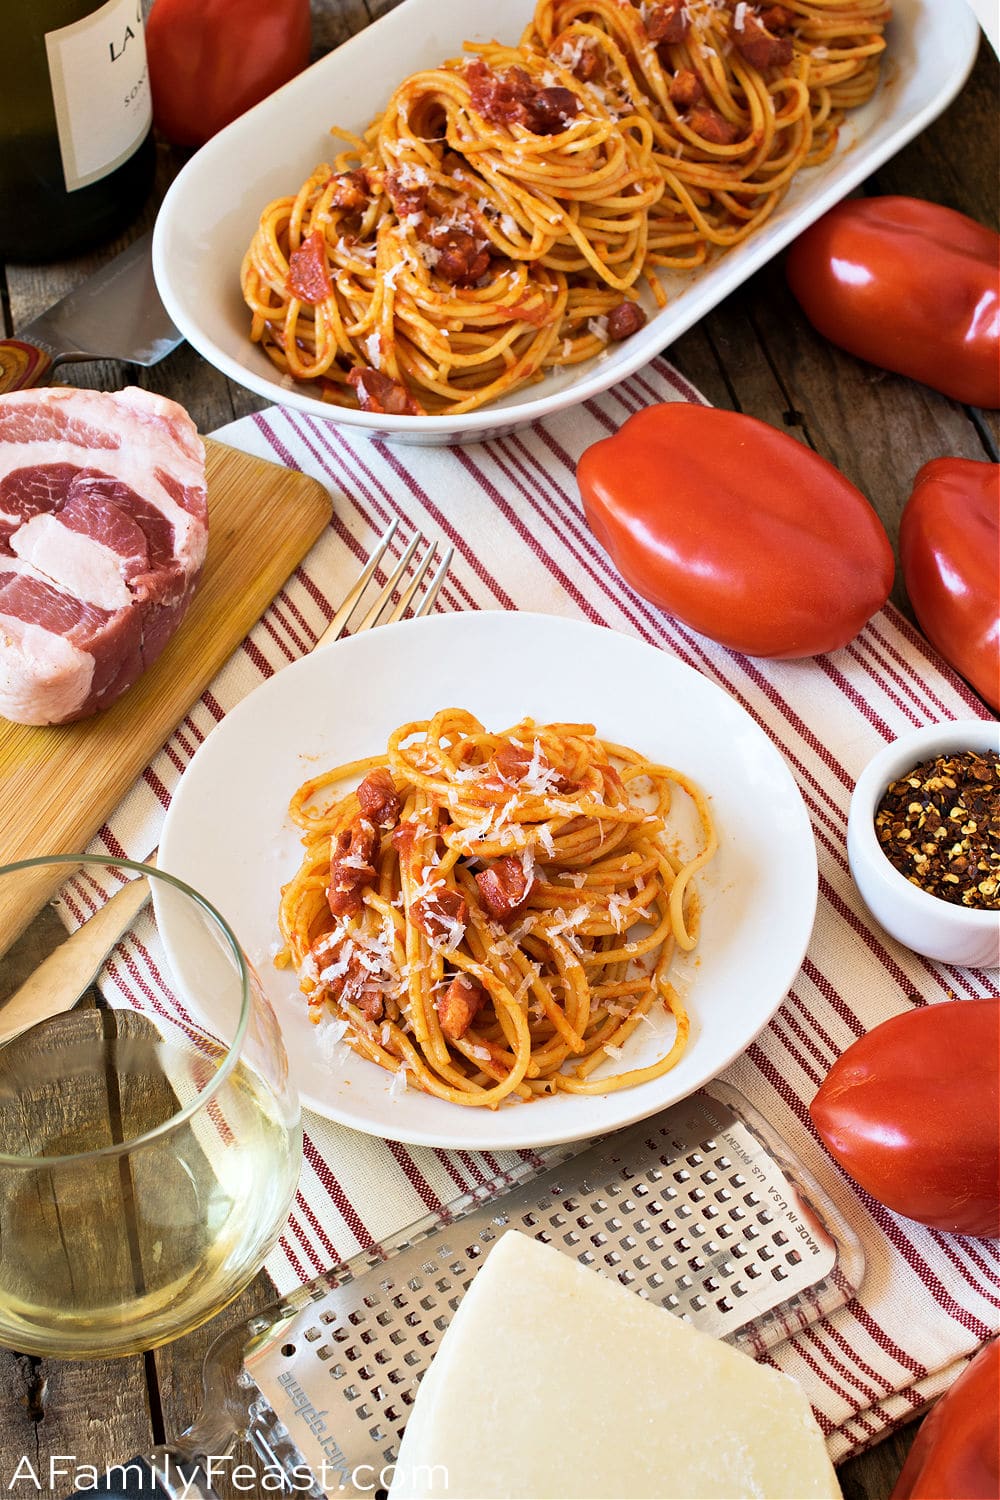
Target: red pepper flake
308	277
940	827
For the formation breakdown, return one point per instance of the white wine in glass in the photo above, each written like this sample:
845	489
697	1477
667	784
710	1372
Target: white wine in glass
147	1158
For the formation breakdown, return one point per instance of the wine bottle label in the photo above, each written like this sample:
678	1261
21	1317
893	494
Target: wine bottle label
100	88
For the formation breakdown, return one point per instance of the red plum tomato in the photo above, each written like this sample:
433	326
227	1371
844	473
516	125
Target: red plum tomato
737	530
911	1111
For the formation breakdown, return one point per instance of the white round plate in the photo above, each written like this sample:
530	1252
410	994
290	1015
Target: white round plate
228	833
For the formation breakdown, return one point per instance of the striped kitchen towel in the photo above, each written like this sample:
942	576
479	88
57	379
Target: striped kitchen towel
511	509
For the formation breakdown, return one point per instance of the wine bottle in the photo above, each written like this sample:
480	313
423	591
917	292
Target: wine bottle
76	144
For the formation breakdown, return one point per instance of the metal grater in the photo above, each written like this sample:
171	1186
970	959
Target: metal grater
701	1209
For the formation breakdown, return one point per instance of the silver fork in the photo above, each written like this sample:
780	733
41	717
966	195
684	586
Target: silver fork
339	623
59	981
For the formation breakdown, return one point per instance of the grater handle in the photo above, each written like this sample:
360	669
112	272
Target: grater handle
165	1474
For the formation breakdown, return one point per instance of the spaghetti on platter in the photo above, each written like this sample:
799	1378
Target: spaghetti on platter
493	915
499	218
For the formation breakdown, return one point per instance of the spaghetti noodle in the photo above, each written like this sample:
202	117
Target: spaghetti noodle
500	217
493	915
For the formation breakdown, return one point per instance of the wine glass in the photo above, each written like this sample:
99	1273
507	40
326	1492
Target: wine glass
148	1151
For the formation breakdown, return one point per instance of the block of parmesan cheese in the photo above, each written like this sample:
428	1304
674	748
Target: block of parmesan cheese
552	1381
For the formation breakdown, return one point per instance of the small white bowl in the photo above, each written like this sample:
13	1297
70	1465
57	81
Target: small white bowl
927	924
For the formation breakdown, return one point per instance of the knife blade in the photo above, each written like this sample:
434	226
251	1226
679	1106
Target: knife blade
114	314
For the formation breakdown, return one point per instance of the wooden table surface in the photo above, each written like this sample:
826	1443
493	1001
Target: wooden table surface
754	353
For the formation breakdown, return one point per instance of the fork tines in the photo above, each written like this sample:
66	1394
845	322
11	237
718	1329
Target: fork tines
376	613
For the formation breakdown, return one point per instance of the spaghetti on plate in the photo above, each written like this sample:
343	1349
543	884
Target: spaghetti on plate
493	915
499	219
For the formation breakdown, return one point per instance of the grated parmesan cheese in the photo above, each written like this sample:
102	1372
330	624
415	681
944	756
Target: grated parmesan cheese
543	834
330	1032
427	883
352	861
566	927
475	832
540	776
413	174
618	907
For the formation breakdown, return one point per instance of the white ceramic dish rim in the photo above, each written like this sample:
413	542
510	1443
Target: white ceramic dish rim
935	57
770	858
894	760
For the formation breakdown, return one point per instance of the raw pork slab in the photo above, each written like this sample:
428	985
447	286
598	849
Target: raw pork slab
103	533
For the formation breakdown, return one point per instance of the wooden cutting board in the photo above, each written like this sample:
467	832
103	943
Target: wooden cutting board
59	784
